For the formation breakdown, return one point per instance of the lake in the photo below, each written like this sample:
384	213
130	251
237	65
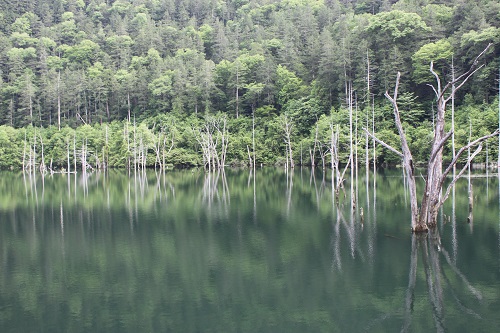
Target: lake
243	251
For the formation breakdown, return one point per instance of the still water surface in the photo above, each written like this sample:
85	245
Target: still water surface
188	251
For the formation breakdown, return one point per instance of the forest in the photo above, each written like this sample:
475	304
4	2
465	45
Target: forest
88	84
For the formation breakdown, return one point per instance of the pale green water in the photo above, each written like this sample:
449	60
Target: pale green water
189	252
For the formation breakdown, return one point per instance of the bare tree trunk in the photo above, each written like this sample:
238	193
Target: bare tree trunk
237	95
74	150
367	148
11	111
432	191
453	108
208	136
253	136
334	151
315	144
224	142
128	106
135	148
141	155
373	140
407	162
369	99
289	143
126	137
158	147
287	126
250	160
33	163
24	153
58	101
470	194
351	143
322	154
83	157
31	109
42	163
105	150
172	144
107	110
356	139
334	156
432	198
69	165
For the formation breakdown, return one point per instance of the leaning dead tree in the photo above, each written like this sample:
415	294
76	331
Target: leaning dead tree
425	216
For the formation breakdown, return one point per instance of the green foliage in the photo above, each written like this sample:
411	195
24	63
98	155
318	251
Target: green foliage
59	145
97	61
420	141
18	56
22	25
472	41
10	150
397	25
81	55
410	110
386	156
289	86
439	53
304	112
161	89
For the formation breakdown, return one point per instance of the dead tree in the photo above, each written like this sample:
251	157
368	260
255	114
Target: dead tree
424	217
287	127
334	152
165	136
213	138
43	166
312	153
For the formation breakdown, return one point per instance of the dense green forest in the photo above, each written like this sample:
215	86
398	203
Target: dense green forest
95	83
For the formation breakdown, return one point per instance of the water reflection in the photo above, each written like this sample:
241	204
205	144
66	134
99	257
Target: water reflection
215	187
436	273
240	250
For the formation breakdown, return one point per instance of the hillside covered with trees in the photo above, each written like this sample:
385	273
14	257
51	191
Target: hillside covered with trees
126	83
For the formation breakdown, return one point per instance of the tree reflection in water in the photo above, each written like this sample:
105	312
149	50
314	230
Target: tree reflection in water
431	251
154	242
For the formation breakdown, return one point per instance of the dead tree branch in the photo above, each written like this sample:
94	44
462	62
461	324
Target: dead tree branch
457	177
440	145
394	150
407	159
466	147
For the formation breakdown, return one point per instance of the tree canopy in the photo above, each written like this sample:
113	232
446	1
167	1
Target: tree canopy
76	62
